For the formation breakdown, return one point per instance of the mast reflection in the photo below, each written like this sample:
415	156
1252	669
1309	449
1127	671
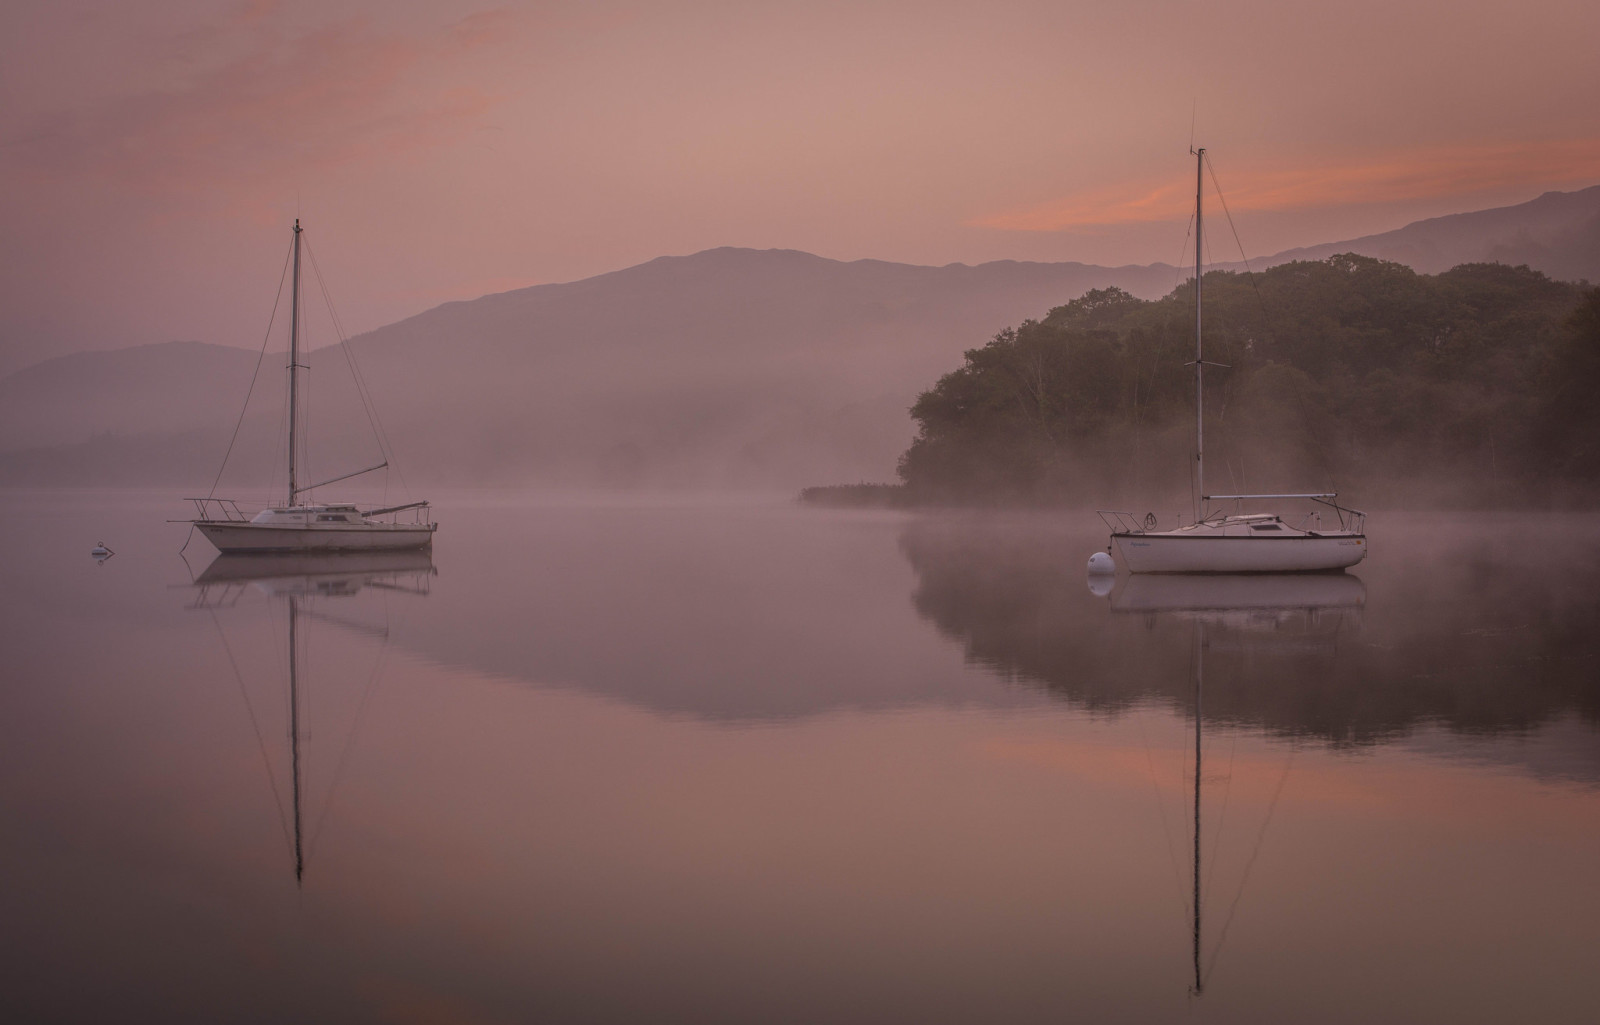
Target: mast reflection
300	581
1296	613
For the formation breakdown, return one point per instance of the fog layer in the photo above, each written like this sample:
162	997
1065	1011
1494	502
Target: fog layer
731	367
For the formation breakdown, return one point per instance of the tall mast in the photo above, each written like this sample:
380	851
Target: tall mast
294	358
1199	355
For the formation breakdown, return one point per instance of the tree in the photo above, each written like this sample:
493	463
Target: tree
1339	370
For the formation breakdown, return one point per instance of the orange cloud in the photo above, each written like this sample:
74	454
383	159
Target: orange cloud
1393	177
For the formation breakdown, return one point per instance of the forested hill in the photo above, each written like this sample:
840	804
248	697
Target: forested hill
1481	383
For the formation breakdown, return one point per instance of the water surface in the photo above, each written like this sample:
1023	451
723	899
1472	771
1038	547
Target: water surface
742	761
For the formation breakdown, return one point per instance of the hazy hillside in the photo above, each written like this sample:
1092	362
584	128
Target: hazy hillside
730	367
1558	233
157	389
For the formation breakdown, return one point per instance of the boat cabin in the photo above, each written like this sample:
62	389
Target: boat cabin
302	515
1252	525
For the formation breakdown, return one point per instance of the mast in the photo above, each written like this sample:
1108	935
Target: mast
1199	354
294	358
294	718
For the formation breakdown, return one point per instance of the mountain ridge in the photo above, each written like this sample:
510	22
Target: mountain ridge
726	367
1556	232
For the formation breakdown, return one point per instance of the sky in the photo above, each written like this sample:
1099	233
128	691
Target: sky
153	156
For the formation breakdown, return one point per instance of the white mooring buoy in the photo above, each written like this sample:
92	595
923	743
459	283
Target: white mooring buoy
1100	563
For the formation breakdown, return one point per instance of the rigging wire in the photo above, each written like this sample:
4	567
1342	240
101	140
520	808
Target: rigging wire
1255	851
1161	807
1266	317
1183	257
276	301
272	780
344	755
1222	816
363	389
1249	274
260	356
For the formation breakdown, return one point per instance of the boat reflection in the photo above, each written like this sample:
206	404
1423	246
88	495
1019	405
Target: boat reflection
300	582
1249	614
1305	612
308	574
1215	594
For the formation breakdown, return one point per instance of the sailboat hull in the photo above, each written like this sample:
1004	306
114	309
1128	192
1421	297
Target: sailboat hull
234	536
1217	553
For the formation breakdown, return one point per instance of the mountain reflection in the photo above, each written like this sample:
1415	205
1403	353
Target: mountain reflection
1471	637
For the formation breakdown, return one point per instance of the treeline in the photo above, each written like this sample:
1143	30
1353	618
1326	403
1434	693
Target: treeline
1481	383
856	496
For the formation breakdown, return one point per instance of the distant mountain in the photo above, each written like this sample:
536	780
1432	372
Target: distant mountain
730	368
148	389
1558	233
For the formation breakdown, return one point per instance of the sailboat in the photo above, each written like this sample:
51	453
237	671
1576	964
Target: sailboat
1237	542
298	526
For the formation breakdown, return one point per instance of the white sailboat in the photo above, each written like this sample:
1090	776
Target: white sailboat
297	526
1237	542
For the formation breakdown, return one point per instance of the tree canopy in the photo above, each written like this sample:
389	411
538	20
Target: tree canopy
1349	372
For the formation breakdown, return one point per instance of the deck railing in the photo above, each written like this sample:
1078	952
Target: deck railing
226	509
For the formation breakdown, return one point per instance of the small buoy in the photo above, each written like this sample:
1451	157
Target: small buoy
100	551
1100	563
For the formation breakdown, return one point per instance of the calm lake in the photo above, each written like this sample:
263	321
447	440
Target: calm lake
606	761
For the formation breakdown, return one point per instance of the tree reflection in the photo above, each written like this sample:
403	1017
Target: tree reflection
1473	635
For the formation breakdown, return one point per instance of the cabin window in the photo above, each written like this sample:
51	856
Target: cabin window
335	518
1266	526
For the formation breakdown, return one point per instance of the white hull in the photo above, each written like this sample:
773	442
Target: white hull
316	567
235	536
1189	552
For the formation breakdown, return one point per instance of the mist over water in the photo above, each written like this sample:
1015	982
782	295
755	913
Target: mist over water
605	759
754	674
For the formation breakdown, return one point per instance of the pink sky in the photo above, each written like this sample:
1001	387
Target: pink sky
154	155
